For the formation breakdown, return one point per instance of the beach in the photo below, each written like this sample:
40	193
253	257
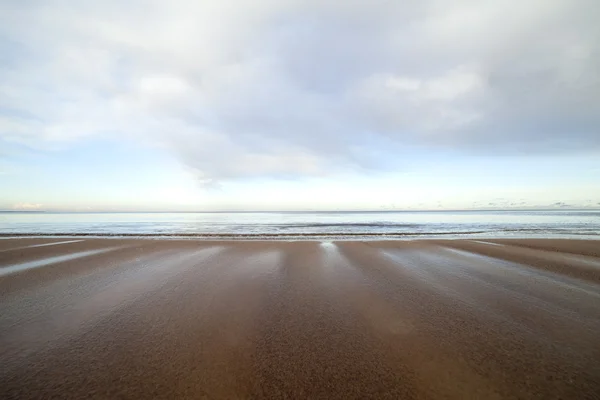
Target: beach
86	317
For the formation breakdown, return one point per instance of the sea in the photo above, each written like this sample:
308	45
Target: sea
309	225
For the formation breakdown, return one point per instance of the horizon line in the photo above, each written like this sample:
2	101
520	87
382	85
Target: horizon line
593	208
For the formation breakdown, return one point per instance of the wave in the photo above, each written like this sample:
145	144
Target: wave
349	225
310	235
218	235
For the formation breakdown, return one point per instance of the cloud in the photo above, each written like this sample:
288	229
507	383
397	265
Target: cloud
27	206
561	204
292	88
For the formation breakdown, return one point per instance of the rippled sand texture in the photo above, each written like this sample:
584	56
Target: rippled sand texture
142	319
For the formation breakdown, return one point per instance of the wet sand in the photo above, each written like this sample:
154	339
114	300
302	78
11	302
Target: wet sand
465	319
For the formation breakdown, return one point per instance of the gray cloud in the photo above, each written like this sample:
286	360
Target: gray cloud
561	204
302	88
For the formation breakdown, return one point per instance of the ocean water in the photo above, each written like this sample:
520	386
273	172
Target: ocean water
291	225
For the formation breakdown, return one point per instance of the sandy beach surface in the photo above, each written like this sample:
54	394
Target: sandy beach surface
144	319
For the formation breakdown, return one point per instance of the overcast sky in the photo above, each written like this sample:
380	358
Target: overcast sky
299	104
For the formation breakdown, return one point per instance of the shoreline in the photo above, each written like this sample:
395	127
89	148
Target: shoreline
352	236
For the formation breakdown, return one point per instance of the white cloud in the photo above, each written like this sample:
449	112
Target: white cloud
27	206
238	89
453	85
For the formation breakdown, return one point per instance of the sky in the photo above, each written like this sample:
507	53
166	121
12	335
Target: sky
188	105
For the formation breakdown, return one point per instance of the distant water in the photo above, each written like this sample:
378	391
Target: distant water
558	223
